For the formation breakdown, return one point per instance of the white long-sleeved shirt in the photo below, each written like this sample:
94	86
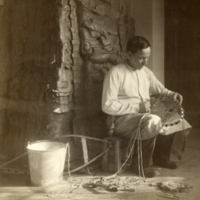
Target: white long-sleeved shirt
124	88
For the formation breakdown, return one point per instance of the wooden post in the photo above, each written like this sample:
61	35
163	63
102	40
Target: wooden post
111	161
85	150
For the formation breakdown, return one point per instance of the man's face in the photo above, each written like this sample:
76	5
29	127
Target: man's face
140	59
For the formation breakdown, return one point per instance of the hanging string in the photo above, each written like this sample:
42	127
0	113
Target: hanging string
68	159
138	149
140	157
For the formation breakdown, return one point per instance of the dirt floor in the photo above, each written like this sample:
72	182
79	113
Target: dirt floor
16	186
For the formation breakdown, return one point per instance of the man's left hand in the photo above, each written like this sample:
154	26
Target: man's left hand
177	96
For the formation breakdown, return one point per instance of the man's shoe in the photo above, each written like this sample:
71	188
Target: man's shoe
148	172
167	164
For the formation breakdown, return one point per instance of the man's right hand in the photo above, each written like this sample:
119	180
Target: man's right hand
144	106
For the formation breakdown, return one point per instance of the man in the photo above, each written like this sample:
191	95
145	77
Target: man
126	99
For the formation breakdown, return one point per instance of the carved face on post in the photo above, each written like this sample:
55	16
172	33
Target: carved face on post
103	29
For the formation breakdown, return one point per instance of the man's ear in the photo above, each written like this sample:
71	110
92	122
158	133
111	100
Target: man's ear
129	54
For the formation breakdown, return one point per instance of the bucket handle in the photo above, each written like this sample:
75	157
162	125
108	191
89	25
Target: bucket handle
38	141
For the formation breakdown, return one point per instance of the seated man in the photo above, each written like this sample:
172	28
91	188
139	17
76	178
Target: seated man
126	98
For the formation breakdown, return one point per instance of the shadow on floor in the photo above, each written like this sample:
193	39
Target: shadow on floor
14	186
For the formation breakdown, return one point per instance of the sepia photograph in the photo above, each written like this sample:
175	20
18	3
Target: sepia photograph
99	99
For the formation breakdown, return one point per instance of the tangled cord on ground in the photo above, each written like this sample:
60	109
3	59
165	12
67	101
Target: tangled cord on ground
173	187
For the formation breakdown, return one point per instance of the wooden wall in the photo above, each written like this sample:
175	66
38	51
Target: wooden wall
34	42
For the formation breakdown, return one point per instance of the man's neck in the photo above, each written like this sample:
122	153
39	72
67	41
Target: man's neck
130	66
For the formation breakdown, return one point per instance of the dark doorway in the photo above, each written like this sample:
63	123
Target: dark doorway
182	54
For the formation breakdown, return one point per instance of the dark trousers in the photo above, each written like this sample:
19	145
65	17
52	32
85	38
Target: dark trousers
153	149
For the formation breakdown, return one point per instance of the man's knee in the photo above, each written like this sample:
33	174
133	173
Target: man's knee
154	119
154	123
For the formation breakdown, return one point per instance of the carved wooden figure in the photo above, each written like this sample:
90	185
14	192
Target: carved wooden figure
60	53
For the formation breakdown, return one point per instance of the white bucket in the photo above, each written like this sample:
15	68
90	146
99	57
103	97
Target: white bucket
46	162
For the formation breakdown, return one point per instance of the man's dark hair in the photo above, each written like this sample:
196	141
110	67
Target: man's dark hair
136	43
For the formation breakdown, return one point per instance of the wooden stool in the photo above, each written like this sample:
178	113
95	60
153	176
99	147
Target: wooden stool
111	160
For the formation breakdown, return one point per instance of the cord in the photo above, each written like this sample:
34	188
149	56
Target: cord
140	158
64	136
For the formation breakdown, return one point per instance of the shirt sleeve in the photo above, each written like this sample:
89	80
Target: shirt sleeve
110	102
156	87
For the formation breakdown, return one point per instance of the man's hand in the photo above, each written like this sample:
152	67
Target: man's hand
177	96
144	106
